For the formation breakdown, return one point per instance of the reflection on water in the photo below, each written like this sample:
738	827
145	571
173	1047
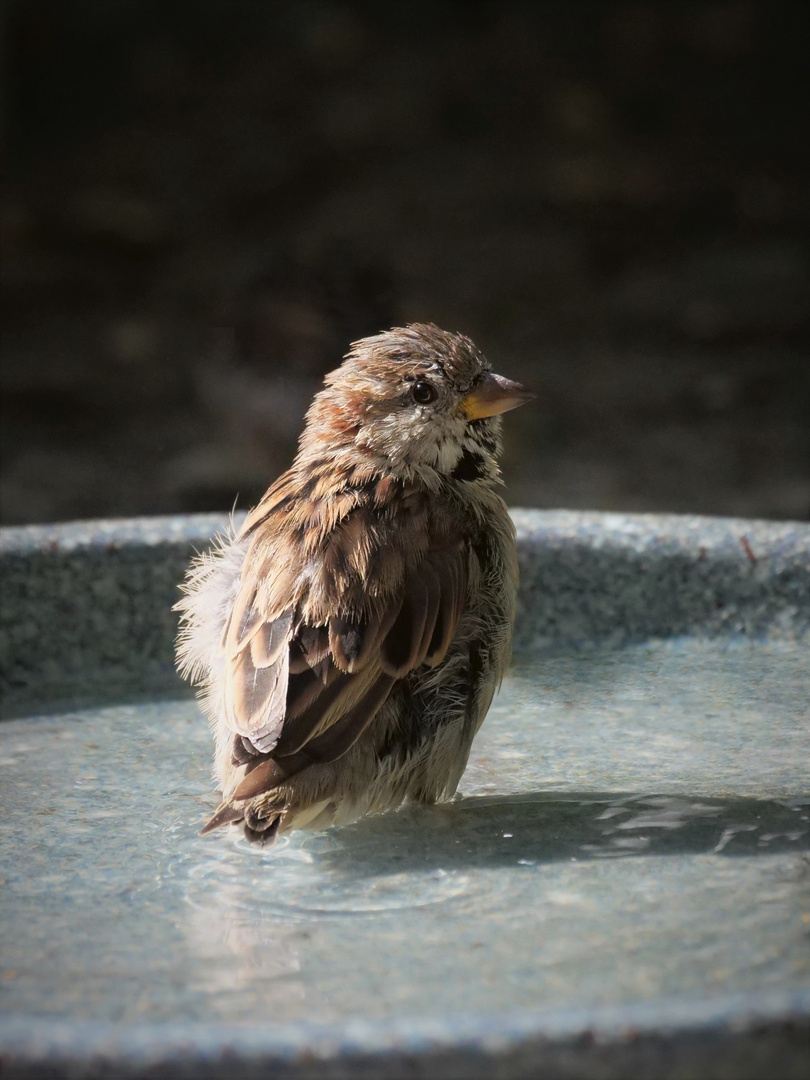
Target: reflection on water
531	898
421	856
550	882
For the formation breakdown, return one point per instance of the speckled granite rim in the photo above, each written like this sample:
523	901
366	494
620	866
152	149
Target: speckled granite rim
86	608
720	1038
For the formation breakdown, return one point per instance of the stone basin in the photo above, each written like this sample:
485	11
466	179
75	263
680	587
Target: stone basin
622	887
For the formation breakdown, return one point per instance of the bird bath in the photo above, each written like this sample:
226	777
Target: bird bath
622	888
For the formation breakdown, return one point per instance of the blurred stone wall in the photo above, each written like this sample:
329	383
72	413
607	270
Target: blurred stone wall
206	202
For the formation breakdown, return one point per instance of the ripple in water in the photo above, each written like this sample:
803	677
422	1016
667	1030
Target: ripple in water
472	852
303	875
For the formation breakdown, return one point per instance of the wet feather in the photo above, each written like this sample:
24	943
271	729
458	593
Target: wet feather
331	637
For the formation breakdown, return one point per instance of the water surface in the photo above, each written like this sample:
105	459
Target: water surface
634	826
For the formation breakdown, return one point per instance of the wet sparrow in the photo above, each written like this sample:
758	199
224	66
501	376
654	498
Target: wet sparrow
349	638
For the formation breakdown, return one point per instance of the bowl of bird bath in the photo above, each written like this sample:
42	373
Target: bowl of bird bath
622	886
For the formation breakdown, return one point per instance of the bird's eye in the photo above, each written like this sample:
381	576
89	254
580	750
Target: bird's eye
423	393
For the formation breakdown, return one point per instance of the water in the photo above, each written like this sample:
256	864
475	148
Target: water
634	826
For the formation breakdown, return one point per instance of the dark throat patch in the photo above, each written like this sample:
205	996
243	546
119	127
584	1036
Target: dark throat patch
471	466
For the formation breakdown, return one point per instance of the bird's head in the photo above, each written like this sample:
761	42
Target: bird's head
415	401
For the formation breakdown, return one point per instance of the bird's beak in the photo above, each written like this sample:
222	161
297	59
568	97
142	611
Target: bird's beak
494	394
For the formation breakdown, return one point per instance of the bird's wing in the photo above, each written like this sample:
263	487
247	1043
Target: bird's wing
304	679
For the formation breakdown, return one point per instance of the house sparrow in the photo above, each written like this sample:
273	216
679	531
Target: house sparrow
349	638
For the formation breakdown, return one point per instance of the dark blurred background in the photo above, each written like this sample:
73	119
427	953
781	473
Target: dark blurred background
206	202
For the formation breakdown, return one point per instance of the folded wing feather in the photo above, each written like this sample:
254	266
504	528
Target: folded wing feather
304	694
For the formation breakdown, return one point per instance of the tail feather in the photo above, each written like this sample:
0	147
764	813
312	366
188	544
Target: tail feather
225	814
258	828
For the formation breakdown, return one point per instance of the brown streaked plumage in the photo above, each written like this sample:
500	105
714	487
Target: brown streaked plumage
349	638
